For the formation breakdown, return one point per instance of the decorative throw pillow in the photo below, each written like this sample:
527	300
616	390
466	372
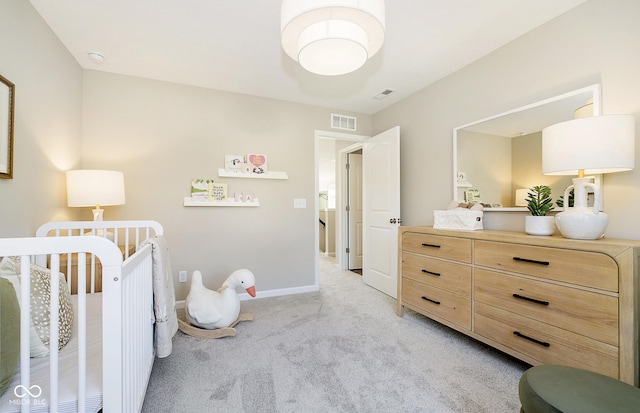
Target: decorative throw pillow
9	333
40	304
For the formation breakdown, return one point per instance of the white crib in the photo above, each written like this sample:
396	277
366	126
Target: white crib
66	380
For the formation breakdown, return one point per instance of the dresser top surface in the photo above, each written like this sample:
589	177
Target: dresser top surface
610	246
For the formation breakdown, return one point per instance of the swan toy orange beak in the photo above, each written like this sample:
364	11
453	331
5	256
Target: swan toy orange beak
252	291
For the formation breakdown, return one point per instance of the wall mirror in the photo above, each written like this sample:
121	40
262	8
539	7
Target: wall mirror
496	156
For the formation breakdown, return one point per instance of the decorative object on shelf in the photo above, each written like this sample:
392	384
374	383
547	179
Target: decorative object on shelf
96	188
472	195
7	103
200	188
238	196
257	162
462	216
218	310
234	163
593	145
248	197
461	180
332	37
539	203
217	191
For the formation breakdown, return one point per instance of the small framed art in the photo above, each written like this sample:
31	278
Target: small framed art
7	101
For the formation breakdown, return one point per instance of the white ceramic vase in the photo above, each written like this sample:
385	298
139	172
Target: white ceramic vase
581	221
537	225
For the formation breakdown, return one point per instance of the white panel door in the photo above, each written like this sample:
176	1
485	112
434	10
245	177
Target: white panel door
381	215
355	210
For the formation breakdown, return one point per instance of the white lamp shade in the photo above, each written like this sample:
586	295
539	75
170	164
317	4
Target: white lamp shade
521	197
332	37
597	145
95	187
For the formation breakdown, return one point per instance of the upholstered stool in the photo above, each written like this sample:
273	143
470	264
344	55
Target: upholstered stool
551	388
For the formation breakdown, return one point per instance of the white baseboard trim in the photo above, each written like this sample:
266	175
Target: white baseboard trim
269	293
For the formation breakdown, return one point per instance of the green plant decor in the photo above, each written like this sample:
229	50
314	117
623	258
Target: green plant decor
560	200
539	201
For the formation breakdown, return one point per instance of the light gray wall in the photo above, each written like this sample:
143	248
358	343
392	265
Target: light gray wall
162	135
48	120
597	42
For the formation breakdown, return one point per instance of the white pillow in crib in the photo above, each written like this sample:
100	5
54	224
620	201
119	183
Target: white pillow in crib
40	303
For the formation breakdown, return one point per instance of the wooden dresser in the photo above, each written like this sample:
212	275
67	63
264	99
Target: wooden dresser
544	300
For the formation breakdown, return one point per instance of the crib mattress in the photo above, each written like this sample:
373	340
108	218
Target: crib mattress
67	369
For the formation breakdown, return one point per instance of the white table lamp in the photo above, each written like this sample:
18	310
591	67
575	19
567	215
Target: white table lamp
95	188
521	197
587	146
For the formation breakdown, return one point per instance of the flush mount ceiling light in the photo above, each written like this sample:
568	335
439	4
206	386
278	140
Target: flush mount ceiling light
332	37
96	57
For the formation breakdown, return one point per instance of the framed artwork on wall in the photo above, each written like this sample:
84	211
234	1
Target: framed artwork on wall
7	100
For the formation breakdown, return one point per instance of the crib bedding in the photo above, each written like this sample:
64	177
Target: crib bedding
68	368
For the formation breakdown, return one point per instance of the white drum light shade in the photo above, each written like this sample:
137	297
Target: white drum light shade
95	188
332	37
597	144
587	146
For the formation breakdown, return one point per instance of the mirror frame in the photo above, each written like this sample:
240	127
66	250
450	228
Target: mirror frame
594	90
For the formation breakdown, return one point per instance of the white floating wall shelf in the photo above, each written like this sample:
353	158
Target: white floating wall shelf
267	175
189	201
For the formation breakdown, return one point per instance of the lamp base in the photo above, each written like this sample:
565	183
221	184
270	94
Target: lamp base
581	223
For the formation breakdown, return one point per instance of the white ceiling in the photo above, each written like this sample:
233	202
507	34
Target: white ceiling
234	45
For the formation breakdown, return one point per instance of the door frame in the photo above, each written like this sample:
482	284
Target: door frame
340	194
342	216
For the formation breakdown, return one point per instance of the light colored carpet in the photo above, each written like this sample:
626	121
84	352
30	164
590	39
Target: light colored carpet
341	349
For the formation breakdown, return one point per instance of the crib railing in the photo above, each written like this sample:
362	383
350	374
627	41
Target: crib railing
51	248
128	351
128	235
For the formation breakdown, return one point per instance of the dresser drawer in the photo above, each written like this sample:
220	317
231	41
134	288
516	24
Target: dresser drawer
457	249
545	343
591	269
446	275
441	303
583	312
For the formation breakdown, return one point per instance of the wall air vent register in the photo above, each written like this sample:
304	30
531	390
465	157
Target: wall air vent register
343	122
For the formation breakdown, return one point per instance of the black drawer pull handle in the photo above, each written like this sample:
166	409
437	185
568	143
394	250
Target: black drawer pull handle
531	261
437	274
542	343
430	245
533	300
430	300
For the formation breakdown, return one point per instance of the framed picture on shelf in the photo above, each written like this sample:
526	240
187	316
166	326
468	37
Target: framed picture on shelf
233	163
257	163
472	195
217	192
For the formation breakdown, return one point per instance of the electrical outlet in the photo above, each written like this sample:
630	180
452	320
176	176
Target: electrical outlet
182	276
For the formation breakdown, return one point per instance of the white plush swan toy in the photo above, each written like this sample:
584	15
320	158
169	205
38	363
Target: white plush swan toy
217	309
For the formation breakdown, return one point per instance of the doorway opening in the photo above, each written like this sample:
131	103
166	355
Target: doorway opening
332	237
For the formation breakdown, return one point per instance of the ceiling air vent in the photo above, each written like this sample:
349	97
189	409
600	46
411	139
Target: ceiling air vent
343	122
384	94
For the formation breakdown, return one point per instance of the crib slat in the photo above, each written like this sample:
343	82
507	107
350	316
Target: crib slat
82	332
53	332
25	325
